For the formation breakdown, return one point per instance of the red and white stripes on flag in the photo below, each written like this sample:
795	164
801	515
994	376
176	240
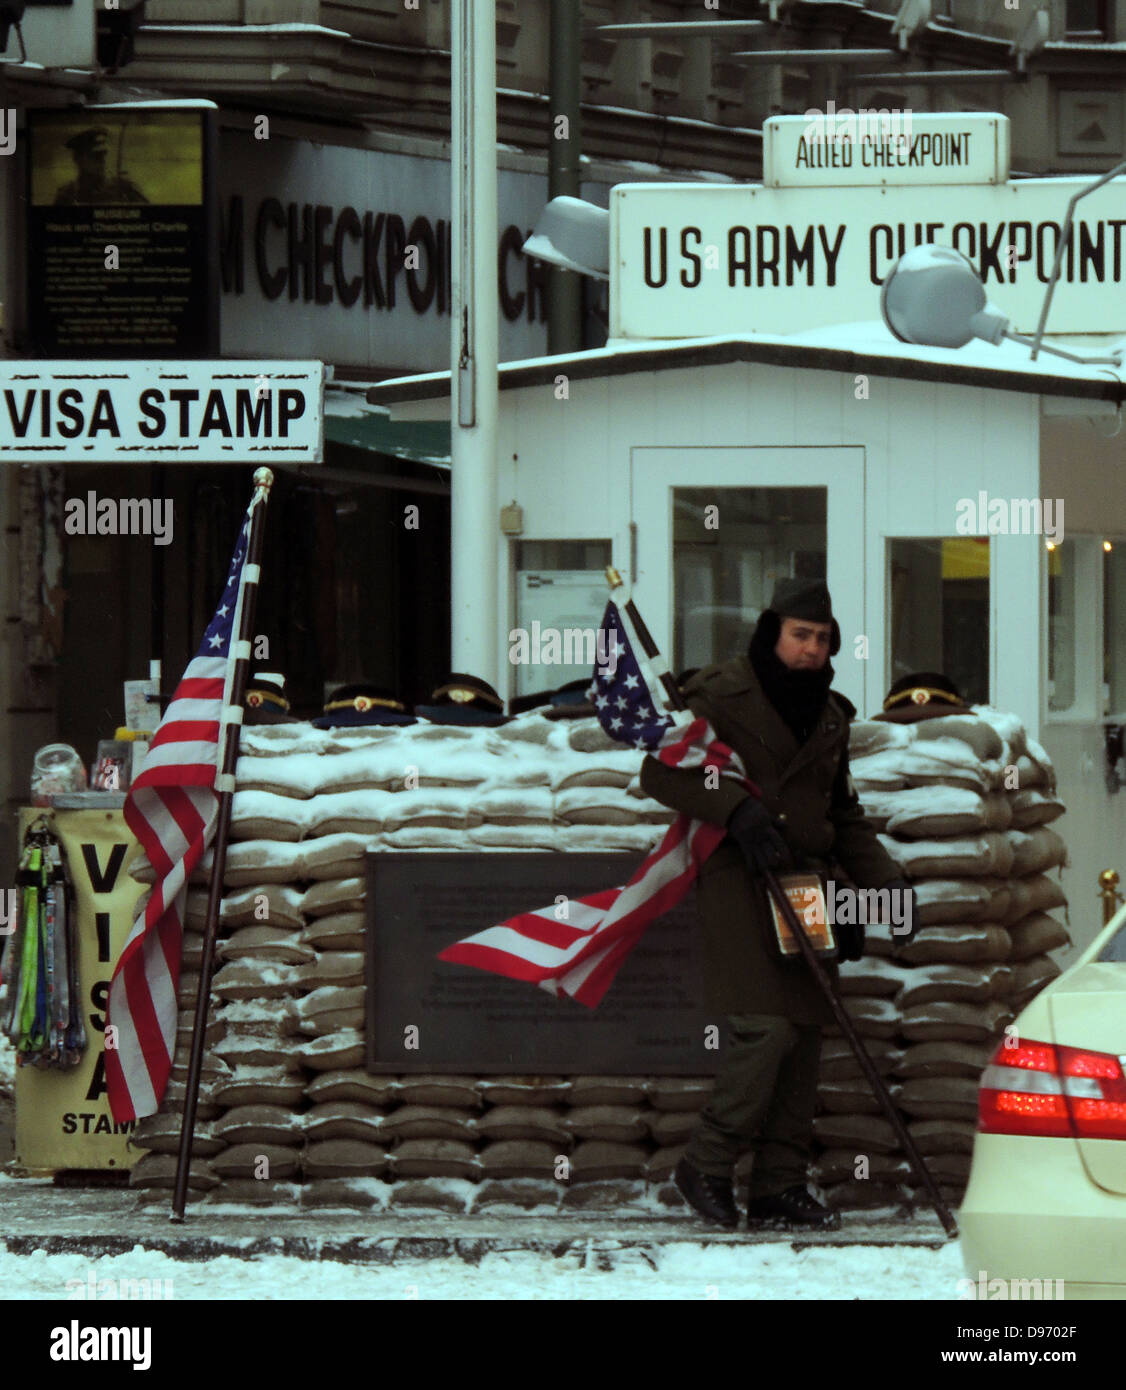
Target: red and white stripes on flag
576	948
172	808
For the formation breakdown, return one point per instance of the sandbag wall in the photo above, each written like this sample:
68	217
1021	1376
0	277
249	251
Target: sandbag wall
963	805
287	1110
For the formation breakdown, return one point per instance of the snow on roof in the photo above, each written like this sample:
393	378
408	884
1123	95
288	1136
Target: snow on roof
865	338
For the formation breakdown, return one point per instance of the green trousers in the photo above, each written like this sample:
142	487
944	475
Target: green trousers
764	1098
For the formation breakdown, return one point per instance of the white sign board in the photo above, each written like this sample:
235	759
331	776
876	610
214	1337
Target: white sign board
844	147
688	261
171	412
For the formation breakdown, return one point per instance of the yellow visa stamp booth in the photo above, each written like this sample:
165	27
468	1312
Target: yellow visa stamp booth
63	1119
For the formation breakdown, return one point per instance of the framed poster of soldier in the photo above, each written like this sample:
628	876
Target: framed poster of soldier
122	246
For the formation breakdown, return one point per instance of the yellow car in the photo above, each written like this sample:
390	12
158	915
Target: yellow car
1044	1214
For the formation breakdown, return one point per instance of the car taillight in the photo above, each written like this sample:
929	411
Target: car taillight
1048	1090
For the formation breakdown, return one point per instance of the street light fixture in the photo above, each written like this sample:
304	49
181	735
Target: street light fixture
574	234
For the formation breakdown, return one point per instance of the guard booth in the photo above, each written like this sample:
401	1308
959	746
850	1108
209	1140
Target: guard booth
752	417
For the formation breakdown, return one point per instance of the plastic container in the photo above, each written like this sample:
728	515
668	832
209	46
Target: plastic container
57	770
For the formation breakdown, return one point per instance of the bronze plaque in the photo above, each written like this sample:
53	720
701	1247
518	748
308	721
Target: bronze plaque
427	1015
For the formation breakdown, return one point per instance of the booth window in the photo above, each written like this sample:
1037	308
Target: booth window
1062	629
730	546
940	610
1087	19
1114	627
561	586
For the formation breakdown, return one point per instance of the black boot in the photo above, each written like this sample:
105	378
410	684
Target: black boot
712	1197
797	1206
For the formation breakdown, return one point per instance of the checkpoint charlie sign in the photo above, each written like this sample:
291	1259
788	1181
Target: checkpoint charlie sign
696	261
148	412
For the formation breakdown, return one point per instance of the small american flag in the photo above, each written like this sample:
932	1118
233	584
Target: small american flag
172	808
576	947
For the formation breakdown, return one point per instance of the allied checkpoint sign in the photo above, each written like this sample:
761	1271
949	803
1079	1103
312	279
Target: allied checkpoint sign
161	412
692	260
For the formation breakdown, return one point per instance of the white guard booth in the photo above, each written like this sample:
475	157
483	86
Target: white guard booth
965	505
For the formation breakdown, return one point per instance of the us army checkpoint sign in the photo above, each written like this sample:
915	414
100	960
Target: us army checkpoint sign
699	261
161	412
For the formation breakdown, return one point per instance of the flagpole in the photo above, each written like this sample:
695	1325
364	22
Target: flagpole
225	784
844	1022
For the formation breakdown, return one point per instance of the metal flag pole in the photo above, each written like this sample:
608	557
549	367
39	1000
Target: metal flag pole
225	782
844	1022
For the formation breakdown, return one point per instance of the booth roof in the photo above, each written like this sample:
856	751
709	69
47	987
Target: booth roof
866	346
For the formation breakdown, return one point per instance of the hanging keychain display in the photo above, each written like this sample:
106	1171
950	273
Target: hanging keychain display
41	1013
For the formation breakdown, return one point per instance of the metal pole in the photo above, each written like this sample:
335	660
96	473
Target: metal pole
844	1022
263	481
474	527
564	145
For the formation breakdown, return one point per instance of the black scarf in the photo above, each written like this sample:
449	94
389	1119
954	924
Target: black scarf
798	696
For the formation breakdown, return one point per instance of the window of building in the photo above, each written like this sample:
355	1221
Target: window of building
939	589
1087	19
561	595
730	547
1075	629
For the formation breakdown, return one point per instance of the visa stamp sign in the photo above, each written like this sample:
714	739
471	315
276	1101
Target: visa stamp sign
691	261
149	412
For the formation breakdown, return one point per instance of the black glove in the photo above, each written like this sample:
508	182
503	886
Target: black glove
752	828
906	923
850	940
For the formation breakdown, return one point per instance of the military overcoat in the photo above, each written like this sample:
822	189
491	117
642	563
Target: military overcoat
809	789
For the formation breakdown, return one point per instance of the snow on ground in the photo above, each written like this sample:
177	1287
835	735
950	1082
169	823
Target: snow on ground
678	1270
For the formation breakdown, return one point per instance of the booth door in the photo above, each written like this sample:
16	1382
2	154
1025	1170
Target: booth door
713	529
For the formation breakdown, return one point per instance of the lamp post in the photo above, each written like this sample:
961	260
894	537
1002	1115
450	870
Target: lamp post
473	340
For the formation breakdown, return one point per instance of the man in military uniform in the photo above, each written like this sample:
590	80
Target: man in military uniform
90	149
773	706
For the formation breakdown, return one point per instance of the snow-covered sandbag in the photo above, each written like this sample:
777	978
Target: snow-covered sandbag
943	762
298	775
240	1051
333	1051
588	736
958	943
984	741
942	1019
599	1159
604	839
923	813
839	1061
618	768
434	1158
344	1158
382	767
671	1126
609	1090
330	896
499	837
161	1134
948	1058
1030	976
847	1096
871	976
352	1083
1035	806
258	1124
518	1158
254	979
964	857
680	1092
939	1097
942	1136
535	1122
343	1119
1036	893
873	1018
621	1123
1009	728
268	816
337	856
158	1170
1035	934
879	772
861	1133
1035	851
868	736
600	806
259	1086
433	1089
332	968
969	984
524	1090
1041	763
838	1165
256	1018
331	1009
942	900
515	806
339	931
258	1160
276	905
430	1122
865	1195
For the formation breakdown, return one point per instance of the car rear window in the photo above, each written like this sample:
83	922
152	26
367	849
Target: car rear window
1115	948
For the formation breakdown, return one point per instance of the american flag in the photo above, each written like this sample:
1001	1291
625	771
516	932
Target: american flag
576	948
172	808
